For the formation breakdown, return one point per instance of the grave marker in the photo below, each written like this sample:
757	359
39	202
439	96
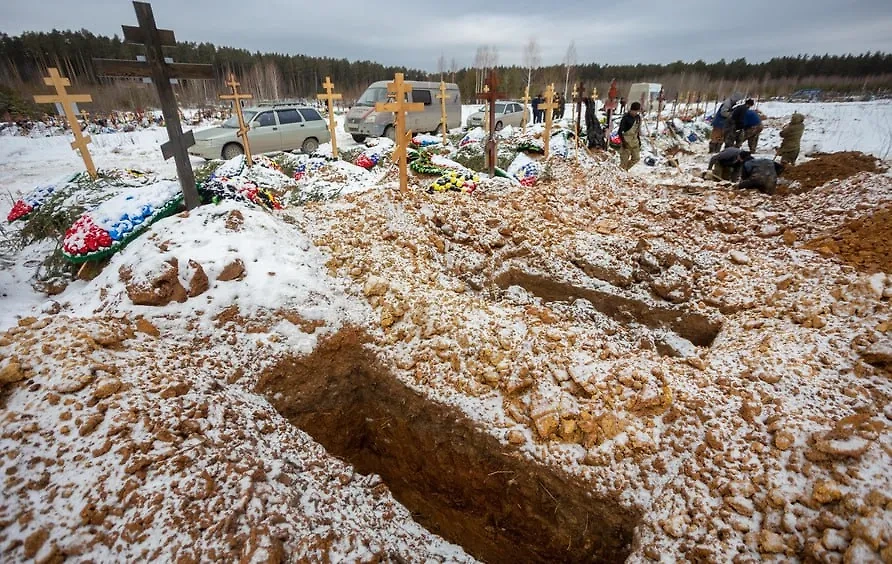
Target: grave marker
491	94
444	121
579	94
162	71
237	98
399	107
67	102
330	96
610	106
549	108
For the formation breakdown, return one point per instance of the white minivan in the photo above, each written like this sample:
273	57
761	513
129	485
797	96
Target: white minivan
363	121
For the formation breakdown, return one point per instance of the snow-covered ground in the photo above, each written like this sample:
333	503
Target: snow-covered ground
715	383
832	127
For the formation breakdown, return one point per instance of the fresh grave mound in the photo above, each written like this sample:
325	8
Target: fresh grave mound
829	166
865	243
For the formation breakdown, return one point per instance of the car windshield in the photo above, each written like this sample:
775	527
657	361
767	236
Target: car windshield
233	121
372	95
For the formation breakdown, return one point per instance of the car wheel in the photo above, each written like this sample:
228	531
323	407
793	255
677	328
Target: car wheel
309	145
358	138
232	150
498	126
390	133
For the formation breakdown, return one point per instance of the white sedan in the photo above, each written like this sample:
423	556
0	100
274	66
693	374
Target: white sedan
507	113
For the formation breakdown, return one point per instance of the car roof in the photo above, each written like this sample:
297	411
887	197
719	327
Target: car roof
416	84
279	107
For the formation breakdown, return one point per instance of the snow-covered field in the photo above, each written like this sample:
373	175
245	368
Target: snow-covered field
603	366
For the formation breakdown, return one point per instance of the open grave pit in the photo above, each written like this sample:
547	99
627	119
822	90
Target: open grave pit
459	481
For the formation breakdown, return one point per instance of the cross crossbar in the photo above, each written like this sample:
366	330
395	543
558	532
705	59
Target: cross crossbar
67	102
161	72
137	36
141	69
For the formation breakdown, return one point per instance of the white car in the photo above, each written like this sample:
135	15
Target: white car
273	127
507	113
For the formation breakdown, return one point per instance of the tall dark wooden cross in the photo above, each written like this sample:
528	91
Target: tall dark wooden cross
161	71
580	95
491	94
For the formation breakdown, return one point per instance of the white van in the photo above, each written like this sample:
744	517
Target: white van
363	121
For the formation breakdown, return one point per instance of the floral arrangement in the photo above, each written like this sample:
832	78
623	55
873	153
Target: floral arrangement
531	146
23	208
528	174
373	155
104	230
456	181
311	165
234	181
424	140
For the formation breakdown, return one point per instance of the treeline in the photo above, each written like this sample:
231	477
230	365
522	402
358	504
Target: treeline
25	58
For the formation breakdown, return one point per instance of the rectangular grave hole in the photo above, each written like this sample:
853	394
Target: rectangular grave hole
458	482
695	327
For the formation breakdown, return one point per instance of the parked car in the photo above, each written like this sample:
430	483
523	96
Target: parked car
363	121
272	127
507	113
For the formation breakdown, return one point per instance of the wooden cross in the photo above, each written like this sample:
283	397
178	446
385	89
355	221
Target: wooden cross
237	98
67	101
486	110
330	96
491	94
549	107
659	108
86	115
526	102
444	122
580	94
399	107
610	105
161	71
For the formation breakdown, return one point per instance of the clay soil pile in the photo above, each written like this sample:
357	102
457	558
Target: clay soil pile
824	167
865	243
618	371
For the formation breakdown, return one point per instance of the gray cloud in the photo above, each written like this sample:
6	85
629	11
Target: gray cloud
415	34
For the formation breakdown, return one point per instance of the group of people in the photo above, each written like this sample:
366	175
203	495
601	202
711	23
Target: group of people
736	122
539	115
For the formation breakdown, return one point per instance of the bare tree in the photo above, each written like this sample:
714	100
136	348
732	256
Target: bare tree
441	65
479	61
453	68
531	58
569	61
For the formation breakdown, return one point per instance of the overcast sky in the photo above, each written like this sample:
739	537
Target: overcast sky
416	33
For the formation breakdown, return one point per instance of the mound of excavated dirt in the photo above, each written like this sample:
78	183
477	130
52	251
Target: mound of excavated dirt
829	166
865	243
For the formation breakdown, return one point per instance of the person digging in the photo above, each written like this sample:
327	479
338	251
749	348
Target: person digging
761	175
726	165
